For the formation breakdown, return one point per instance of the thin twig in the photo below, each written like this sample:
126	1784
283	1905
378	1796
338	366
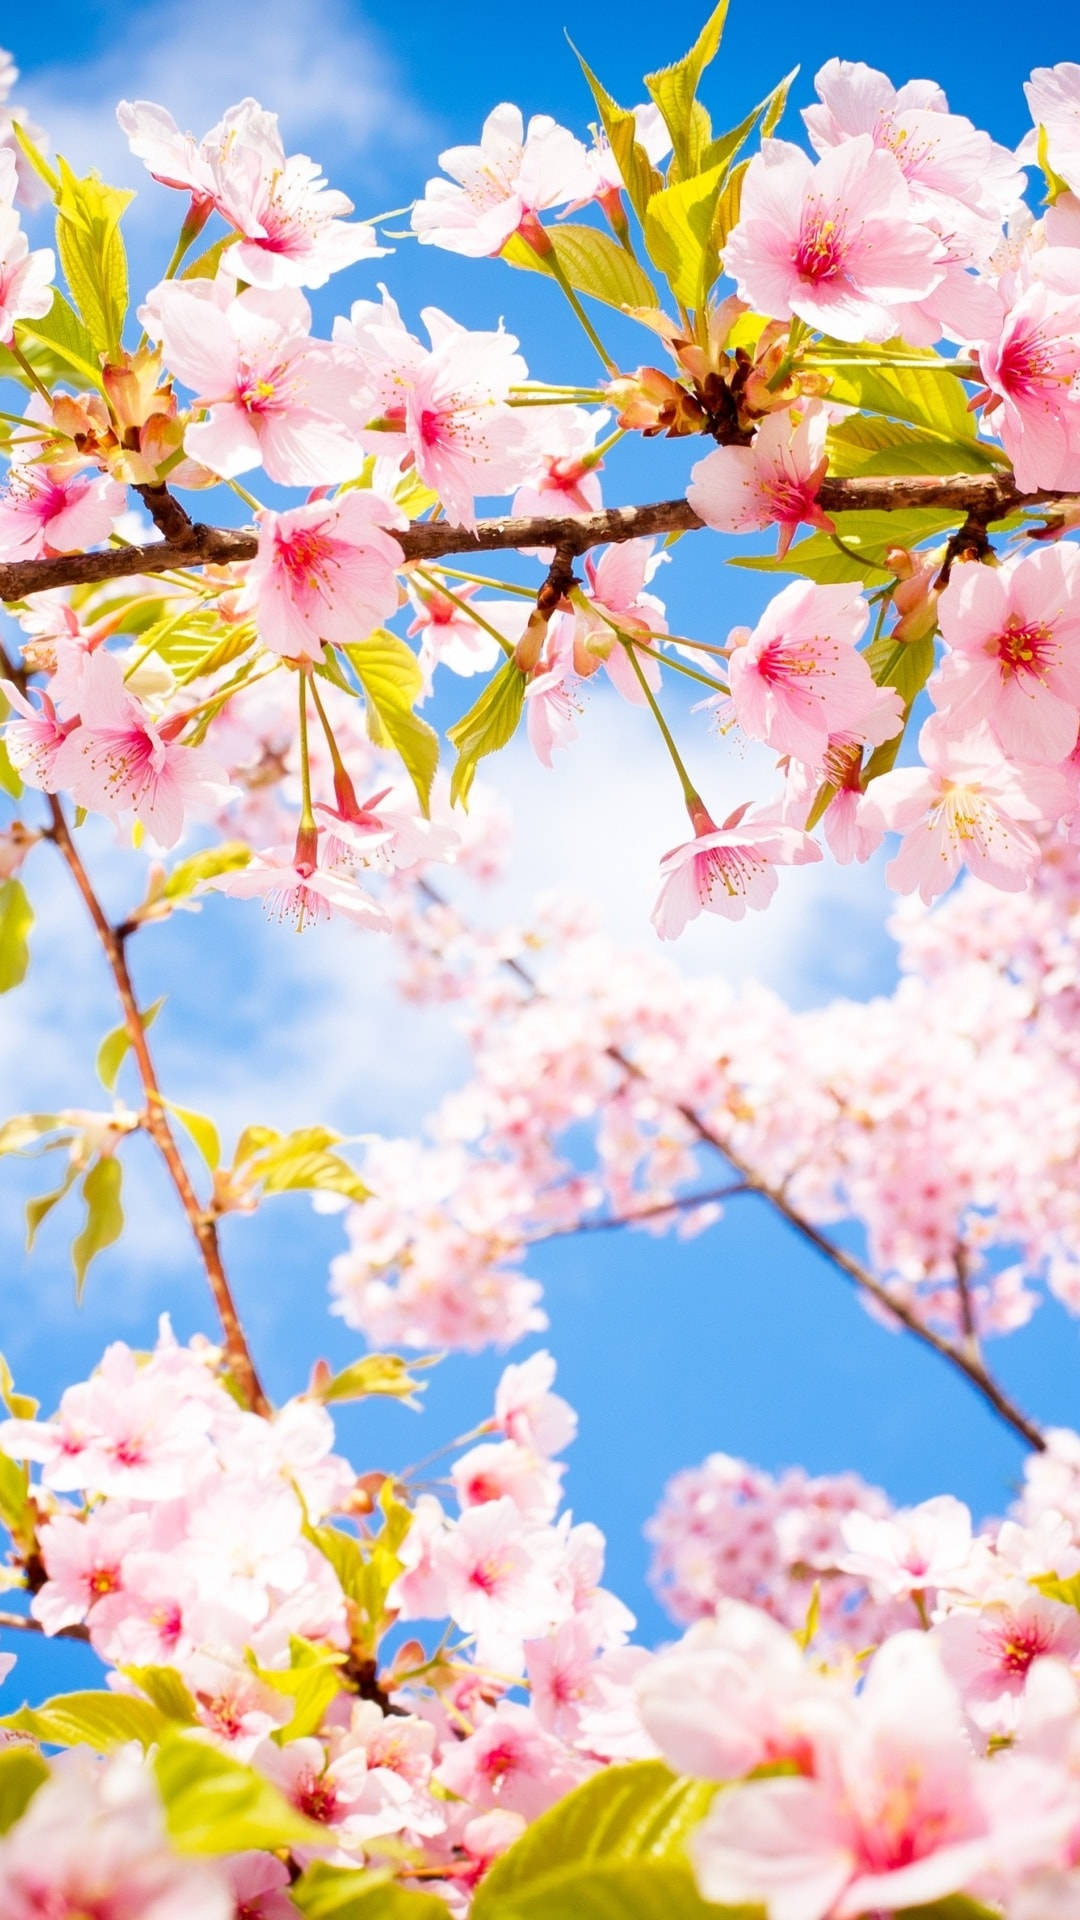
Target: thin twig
25	1623
680	1203
992	496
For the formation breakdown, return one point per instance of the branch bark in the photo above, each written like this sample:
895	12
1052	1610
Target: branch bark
990	496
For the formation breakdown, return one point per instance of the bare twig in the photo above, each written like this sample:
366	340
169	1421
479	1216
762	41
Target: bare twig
24	1623
679	1203
991	496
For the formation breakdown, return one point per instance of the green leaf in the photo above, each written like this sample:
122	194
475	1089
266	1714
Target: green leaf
674	89
196	641
167	1692
98	1720
489	725
25	1130
325	1892
640	177
679	223
116	1046
202	1131
92	253
22	1771
377	1373
16	920
593	263
919	394
104	1215
870	444
615	1890
62	334
344	1552
622	1819
205	265
870	534
35	156
311	1683
10	778
954	1906
389	673
198	867
15	1510
214	1804
39	1210
21	1406
303	1160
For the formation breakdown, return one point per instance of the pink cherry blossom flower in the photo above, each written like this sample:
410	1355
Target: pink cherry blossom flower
726	869
260	1883
1031	366
960	181
498	1578
797	678
1053	97
564	476
892	1820
527	1411
117	761
324	573
736	1694
924	1546
615	585
837	244
965	806
84	1560
289	222
44	511
34	738
494	187
449	637
741	489
511	1762
551	709
273	395
391	838
295	889
93	1842
464	436
25	278
988	1652
1013	634
507	1470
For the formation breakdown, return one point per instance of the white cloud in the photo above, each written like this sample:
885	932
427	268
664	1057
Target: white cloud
319	64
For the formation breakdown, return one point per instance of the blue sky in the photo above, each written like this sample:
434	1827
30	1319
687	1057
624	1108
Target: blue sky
741	1341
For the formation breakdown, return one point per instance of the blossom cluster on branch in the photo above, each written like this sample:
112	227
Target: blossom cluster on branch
330	1688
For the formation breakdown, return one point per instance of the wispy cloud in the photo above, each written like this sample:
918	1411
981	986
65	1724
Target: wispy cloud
320	64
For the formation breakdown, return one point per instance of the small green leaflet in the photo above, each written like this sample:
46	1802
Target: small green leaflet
92	253
674	90
389	673
16	920
104	1224
489	725
116	1046
593	262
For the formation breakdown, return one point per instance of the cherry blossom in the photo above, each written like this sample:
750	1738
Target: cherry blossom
1030	364
43	512
324	573
739	489
837	244
513	174
294	888
25	278
273	396
797	678
1012	642
725	870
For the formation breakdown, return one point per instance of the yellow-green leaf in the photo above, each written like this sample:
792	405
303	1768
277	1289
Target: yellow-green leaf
630	1818
215	1804
202	1131
489	725
104	1215
165	1689
679	227
116	1046
869	535
377	1373
593	263
325	1892
92	253
22	1771
917	392
40	1209
61	334
640	177
389	673
190	873
303	1159
16	920
674	89
98	1720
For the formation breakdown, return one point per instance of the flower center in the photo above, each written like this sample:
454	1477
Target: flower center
819	253
1025	646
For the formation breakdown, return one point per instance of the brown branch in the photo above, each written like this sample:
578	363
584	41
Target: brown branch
155	1120
680	1203
991	496
25	1623
968	1364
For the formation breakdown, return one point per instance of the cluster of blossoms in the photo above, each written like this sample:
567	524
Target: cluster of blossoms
178	1531
943	1117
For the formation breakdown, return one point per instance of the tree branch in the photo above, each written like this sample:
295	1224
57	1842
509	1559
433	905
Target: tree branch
203	1225
990	496
25	1623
